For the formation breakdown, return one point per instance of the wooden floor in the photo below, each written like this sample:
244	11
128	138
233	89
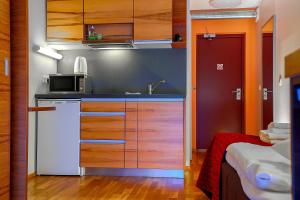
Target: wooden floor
115	188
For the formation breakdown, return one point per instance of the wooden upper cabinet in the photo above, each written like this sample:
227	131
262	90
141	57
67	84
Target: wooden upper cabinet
108	11
64	20
179	22
153	20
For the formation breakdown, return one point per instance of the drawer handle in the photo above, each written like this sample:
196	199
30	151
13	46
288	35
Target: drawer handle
102	141
103	114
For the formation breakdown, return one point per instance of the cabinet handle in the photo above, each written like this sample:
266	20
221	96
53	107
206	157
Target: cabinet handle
102	114
102	141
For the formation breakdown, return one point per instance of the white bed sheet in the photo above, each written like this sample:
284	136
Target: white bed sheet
252	191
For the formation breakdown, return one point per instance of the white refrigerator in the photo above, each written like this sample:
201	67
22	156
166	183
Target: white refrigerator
58	138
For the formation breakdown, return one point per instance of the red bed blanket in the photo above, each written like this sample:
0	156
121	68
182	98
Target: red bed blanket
209	178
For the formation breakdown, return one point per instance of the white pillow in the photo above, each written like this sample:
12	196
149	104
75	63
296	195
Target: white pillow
284	148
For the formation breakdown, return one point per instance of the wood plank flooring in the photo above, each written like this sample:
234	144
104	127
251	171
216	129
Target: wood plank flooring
118	188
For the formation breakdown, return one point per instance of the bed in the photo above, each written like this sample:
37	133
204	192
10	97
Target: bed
231	186
264	172
225	175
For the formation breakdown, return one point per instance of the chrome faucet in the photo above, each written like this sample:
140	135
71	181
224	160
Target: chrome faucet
153	86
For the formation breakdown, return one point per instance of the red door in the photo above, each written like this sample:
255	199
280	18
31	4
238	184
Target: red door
267	57
220	70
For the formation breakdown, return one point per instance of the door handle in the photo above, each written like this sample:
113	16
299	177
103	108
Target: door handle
266	93
238	94
6	67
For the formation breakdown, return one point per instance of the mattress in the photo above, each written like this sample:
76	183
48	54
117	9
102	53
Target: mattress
252	191
231	187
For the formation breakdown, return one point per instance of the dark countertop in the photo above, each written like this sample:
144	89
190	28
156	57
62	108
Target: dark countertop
83	96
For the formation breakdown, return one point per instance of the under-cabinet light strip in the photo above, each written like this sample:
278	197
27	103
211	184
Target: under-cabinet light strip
48	52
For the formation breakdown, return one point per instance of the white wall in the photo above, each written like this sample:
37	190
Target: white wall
287	40
204	4
39	65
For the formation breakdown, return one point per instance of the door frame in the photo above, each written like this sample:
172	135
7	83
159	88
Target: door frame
19	98
274	17
243	77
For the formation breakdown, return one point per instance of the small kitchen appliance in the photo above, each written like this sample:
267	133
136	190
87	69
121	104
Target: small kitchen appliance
80	65
70	83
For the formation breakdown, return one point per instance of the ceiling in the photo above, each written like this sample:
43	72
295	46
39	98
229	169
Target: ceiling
204	4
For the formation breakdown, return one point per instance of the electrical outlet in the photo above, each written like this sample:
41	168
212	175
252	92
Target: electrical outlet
45	79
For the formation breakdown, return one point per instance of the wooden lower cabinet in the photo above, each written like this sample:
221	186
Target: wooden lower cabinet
102	155
152	134
160	135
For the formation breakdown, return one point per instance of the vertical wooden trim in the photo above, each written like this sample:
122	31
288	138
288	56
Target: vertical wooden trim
19	98
4	100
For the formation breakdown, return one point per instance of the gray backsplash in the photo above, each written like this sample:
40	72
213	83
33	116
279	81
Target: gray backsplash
117	71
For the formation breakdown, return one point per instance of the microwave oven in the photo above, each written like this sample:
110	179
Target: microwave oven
69	83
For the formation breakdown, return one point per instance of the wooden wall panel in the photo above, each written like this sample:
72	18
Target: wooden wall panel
19	96
108	11
65	20
153	20
4	143
160	139
131	135
4	101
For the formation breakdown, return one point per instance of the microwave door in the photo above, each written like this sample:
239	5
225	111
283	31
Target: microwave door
62	84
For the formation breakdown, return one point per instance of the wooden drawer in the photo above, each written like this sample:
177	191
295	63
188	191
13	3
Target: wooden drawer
102	155
102	128
102	106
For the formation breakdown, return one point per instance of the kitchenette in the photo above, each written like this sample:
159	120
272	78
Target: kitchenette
94	134
115	105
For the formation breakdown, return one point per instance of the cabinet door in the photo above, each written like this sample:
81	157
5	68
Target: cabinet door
108	11
65	20
4	99
160	135
153	20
